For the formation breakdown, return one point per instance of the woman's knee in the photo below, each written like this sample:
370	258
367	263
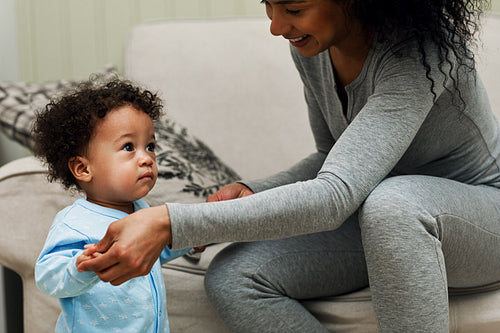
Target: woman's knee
395	206
386	199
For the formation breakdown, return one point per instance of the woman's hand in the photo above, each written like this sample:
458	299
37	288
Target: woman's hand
131	246
231	191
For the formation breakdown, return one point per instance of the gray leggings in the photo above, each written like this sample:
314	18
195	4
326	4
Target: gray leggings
413	237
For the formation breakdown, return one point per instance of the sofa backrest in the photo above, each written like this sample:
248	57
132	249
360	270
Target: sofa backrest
231	83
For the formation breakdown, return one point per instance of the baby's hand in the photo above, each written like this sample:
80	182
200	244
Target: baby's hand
81	258
86	255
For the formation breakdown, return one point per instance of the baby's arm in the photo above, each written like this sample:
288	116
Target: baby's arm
55	271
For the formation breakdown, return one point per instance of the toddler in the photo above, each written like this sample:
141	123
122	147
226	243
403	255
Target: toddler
100	140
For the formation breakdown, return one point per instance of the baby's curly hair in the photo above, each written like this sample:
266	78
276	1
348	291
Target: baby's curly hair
62	130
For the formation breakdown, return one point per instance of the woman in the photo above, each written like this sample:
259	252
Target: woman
402	193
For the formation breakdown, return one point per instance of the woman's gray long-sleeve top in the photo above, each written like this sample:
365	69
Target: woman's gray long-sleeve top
392	125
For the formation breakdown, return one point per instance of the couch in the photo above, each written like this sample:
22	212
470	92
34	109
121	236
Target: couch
235	102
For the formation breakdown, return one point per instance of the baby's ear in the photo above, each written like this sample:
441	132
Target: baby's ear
79	167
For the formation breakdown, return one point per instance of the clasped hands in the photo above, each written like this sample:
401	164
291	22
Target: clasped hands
132	244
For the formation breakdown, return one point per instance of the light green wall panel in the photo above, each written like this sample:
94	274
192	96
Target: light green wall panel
192	8
495	6
25	47
48	52
154	9
85	30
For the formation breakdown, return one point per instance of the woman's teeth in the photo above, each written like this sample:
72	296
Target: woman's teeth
298	39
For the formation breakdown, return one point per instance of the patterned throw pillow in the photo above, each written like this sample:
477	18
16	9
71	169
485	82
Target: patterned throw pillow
188	170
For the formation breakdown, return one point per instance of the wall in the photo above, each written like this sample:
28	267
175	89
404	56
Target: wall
495	6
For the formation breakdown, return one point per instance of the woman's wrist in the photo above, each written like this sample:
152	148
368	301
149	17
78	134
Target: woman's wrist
158	219
164	223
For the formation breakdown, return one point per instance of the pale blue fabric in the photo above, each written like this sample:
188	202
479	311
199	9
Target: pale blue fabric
88	304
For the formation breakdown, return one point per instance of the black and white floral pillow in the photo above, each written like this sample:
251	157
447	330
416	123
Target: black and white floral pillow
188	170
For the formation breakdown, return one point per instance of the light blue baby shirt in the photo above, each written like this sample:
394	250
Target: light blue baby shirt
88	304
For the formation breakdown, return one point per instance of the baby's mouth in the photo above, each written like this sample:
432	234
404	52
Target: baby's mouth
147	175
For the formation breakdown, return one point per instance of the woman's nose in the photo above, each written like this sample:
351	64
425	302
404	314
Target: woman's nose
279	25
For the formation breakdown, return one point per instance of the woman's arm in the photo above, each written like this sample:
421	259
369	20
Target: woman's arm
364	154
304	170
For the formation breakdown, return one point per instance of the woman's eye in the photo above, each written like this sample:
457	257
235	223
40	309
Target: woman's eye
293	12
128	147
151	147
288	11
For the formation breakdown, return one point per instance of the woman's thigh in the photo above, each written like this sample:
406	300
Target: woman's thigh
464	221
421	235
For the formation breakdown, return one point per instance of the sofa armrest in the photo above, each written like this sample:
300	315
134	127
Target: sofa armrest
25	192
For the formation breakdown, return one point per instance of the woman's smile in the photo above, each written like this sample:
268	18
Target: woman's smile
299	41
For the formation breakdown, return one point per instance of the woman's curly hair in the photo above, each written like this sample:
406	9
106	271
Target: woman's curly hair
452	25
62	130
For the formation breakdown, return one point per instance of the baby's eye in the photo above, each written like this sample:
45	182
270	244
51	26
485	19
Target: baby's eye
128	147
151	147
